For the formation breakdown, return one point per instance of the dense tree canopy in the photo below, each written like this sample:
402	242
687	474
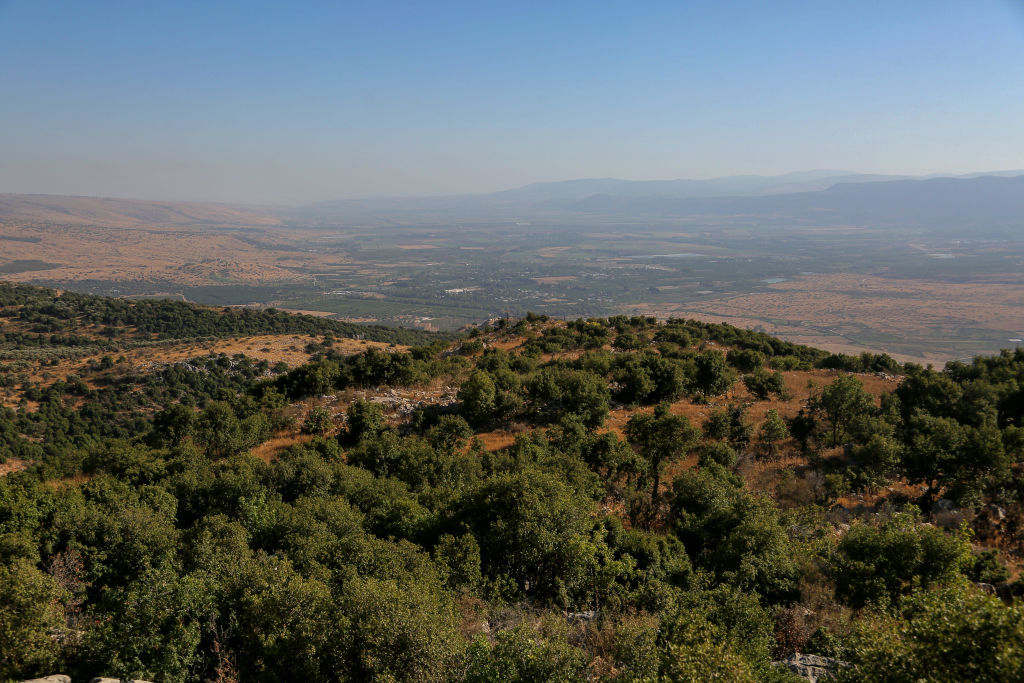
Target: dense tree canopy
511	509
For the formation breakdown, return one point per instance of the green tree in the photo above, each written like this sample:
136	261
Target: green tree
535	531
318	421
479	396
31	618
174	423
153	628
627	341
943	453
940	636
712	375
556	391
745	360
648	378
763	383
840	402
880	456
450	433
364	419
661	439
400	632
694	649
459	559
289	627
773	430
717	452
219	429
738	537
878	563
730	424
523	655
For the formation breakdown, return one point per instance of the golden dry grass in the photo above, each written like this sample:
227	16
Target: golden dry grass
268	450
834	311
12	465
180	254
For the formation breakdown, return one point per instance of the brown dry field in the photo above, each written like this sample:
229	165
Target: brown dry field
185	256
135	241
554	280
834	311
551	252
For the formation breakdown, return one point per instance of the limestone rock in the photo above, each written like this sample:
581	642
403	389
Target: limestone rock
589	615
812	667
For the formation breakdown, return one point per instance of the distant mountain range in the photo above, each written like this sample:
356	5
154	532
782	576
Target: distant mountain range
984	203
729	186
978	204
747	185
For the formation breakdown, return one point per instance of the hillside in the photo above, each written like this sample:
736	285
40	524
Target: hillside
604	499
126	213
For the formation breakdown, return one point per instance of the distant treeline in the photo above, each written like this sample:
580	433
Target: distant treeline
49	312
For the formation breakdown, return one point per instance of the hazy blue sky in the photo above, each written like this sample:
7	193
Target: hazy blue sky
301	101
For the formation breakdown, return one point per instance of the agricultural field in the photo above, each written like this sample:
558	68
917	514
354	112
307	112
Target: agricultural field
915	295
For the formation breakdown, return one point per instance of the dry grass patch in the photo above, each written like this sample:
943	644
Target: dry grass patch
268	450
837	311
12	465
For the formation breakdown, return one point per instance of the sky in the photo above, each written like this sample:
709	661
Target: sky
295	102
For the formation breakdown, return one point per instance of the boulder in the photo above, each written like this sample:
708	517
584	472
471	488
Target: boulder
55	678
812	667
589	615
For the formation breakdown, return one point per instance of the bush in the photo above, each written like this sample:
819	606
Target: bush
31	615
879	563
524	655
952	634
318	421
717	452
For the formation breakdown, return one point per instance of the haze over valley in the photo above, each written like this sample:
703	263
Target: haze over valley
925	269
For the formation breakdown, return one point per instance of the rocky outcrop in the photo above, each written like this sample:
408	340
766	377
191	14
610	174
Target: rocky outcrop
812	667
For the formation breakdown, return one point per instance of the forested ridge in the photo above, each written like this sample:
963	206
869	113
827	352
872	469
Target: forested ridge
607	499
52	319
